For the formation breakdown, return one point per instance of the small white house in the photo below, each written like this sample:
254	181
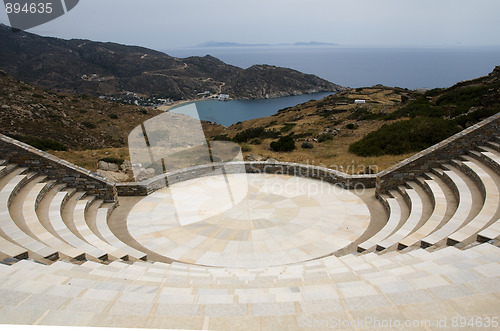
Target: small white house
359	101
223	97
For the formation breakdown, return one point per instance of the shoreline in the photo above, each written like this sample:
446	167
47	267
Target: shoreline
166	108
181	102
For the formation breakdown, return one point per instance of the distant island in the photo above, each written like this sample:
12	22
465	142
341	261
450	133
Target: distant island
212	43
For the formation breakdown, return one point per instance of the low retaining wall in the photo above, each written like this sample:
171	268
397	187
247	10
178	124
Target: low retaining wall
284	168
55	168
84	180
443	152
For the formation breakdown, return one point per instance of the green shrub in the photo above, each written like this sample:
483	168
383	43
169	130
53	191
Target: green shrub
245	148
287	127
256	141
42	143
284	144
351	126
464	95
306	145
325	137
302	135
221	137
475	116
143	111
404	137
114	160
113	116
418	107
434	92
88	125
258	132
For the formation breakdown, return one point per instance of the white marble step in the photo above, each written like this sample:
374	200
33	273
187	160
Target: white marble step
57	223
435	219
488	211
11	229
89	236
461	214
391	225
109	236
33	223
409	225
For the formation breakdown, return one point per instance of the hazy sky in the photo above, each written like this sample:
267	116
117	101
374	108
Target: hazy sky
164	24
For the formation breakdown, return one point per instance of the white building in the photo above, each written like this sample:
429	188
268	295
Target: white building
223	97
359	101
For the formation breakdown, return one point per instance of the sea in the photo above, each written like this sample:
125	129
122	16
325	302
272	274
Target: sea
347	66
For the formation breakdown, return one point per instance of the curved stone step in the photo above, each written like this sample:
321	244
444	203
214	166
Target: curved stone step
411	222
436	218
89	236
6	169
108	235
461	215
493	145
492	160
419	280
11	229
490	206
55	219
394	210
32	221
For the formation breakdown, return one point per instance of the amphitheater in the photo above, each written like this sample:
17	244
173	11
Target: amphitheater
416	247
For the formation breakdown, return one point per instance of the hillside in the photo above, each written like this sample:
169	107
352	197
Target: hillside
87	67
74	121
393	124
328	126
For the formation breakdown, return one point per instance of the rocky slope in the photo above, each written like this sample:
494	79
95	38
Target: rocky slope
73	121
84	66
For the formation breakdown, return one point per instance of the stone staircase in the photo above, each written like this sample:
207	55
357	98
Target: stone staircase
464	205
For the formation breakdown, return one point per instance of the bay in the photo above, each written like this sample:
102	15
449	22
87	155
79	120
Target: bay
233	111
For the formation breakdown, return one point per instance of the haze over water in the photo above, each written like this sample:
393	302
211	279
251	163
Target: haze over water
359	67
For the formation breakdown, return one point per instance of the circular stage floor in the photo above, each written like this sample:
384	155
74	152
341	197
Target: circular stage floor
248	220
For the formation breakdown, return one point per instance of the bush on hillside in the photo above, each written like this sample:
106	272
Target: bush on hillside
404	137
284	144
114	160
258	132
325	137
419	107
44	144
306	145
287	127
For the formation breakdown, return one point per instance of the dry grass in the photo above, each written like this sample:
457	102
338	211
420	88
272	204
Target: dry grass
88	159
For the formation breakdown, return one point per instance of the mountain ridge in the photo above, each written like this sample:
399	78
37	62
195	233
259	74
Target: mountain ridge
98	68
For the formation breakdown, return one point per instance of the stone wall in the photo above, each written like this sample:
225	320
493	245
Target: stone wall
55	168
443	152
94	184
293	169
